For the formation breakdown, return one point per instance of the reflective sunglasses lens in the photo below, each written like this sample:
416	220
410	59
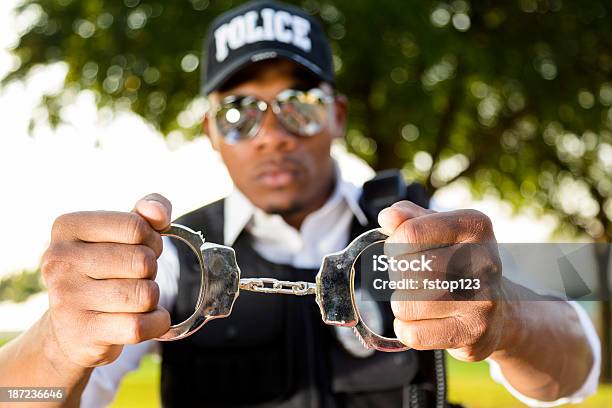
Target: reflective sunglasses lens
303	113
237	120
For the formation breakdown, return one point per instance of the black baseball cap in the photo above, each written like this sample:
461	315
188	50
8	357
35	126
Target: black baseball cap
263	30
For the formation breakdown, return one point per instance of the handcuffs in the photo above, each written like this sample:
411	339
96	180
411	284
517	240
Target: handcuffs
334	287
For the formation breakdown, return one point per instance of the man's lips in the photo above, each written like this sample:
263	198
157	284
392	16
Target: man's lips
277	178
277	175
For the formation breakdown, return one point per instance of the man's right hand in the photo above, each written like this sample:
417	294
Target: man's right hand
100	269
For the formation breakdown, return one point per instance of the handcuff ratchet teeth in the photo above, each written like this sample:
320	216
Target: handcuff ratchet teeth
334	287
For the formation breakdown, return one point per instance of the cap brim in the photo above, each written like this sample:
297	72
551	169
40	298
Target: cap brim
243	61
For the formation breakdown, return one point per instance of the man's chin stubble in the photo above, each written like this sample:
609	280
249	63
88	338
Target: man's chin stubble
292	209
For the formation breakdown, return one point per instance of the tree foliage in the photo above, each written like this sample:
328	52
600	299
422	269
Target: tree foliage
20	286
513	95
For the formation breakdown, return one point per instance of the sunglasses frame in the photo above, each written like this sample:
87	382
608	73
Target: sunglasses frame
262	107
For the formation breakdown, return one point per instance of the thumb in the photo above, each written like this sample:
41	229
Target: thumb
392	217
156	209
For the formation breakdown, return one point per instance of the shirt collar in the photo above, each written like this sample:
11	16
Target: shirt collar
239	210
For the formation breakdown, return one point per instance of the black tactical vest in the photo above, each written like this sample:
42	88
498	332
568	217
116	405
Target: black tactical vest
274	350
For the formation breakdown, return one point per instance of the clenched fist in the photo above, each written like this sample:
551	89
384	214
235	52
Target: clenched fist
100	269
460	246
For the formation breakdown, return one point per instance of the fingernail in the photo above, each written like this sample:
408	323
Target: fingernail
399	204
159	205
383	211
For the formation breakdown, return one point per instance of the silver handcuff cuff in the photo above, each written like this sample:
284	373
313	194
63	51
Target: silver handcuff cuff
334	287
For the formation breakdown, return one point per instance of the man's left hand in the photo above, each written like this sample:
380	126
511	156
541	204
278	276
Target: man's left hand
470	329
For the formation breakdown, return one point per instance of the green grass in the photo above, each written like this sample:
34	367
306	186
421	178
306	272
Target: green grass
140	389
469	383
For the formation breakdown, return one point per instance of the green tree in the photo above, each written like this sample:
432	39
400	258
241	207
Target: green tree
514	97
20	286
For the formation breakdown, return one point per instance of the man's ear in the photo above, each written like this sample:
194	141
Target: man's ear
207	128
340	116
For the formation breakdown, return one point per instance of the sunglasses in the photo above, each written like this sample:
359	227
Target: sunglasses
301	112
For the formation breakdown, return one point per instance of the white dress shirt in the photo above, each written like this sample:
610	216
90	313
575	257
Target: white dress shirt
322	232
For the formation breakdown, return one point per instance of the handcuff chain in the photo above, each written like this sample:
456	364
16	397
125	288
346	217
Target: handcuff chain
271	285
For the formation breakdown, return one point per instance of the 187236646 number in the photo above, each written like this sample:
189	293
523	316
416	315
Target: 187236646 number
32	394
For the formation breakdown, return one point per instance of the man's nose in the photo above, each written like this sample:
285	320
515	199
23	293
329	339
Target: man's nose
273	136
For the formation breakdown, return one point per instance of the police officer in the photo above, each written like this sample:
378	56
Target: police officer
274	114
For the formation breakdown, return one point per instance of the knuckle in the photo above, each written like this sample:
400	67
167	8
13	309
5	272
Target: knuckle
411	232
147	294
53	262
134	329
474	214
397	306
48	265
67	224
136	228
60	223
144	262
477	329
414	336
408	310
487	264
157	245
408	333
452	337
479	221
480	330
488	307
